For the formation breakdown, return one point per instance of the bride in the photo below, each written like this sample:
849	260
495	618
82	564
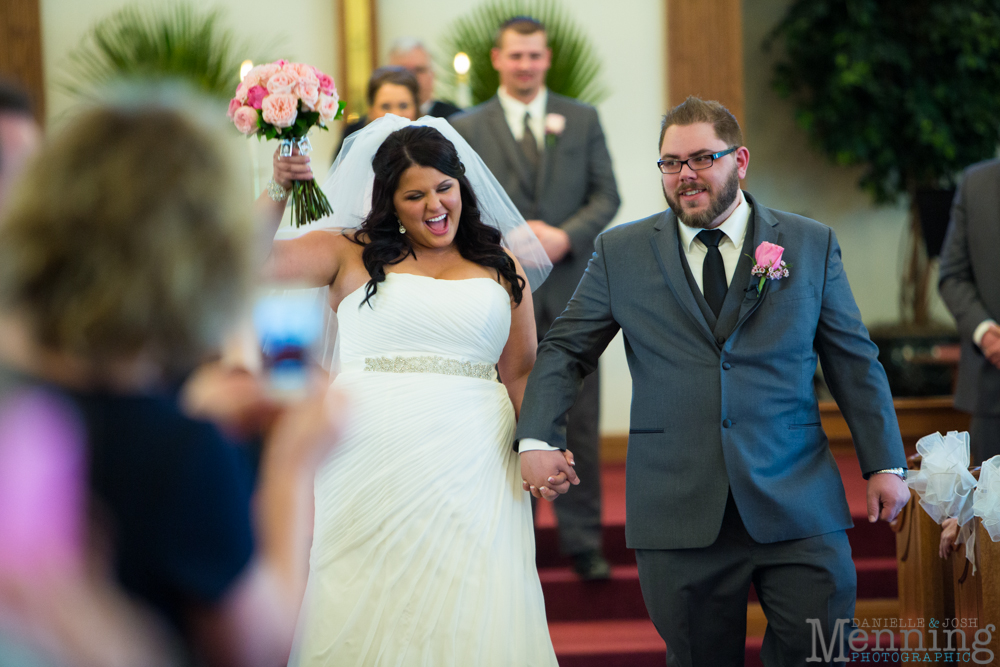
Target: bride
423	548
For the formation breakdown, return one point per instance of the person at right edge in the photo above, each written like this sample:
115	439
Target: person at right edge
969	282
730	481
548	152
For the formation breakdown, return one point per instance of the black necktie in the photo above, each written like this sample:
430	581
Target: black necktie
713	271
528	143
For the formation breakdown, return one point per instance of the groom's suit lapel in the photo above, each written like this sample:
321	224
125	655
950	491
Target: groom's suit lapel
667	249
765	230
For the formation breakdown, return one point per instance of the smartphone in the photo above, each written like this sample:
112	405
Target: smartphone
288	324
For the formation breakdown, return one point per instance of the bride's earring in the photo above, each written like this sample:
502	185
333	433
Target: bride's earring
402	229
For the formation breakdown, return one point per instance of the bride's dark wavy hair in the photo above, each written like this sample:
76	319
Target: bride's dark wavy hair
379	233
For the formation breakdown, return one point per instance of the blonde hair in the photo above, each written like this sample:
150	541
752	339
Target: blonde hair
127	236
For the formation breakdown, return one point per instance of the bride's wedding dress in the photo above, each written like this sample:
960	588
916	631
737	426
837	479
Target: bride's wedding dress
423	552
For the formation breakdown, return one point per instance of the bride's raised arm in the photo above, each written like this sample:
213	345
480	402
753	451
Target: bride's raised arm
311	260
518	354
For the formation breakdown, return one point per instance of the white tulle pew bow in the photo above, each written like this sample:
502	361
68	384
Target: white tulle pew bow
945	484
986	500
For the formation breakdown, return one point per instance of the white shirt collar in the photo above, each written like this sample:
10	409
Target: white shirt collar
514	110
513	106
734	227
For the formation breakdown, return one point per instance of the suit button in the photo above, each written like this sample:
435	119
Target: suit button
721	340
726	365
726	423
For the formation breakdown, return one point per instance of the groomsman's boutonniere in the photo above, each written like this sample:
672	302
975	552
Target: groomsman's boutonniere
555	123
768	264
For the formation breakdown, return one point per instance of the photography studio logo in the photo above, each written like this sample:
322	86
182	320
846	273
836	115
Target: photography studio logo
875	640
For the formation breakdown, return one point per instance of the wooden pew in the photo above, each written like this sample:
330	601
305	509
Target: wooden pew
977	596
926	588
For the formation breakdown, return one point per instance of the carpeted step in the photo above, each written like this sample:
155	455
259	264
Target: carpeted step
868	540
569	599
621	643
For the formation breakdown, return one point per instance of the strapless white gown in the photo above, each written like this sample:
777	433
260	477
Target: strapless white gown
424	551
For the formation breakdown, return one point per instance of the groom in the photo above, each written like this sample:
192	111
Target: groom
730	477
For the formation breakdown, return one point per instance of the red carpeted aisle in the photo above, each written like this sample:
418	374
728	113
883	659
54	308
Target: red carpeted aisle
604	624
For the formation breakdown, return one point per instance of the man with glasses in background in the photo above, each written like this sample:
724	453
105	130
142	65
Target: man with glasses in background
549	154
726	306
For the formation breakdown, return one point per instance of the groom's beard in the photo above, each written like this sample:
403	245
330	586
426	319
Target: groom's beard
717	204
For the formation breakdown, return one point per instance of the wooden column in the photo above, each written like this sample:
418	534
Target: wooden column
705	52
358	43
21	49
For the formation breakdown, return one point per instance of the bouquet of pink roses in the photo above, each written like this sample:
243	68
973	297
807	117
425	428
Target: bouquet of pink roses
283	100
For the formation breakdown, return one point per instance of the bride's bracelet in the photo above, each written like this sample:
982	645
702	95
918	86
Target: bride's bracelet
276	192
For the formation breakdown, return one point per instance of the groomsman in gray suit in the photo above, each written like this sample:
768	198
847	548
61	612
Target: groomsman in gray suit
549	154
730	479
970	286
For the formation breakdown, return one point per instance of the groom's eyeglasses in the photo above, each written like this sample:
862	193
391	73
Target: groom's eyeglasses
696	163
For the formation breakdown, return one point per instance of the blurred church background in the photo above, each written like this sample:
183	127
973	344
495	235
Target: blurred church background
652	52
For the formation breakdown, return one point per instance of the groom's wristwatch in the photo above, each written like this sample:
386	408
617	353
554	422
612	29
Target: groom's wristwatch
898	472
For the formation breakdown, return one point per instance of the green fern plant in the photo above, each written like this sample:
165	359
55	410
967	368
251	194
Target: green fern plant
576	66
175	42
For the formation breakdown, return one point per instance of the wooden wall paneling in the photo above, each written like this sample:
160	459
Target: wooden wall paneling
21	49
705	52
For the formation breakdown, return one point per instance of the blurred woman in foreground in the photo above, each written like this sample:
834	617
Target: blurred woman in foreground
125	256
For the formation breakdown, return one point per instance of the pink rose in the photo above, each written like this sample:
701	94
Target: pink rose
326	85
245	119
304	73
280	110
234	104
309	94
256	96
768	254
555	123
281	83
327	107
260	74
241	92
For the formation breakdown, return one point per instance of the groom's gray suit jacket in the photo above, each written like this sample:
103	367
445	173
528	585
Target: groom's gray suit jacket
728	403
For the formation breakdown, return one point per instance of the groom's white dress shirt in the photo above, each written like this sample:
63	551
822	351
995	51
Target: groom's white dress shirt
734	229
514	110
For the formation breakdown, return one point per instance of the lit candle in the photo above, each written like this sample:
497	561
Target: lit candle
463	93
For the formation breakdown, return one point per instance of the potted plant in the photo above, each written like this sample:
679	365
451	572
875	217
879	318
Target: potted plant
911	92
175	41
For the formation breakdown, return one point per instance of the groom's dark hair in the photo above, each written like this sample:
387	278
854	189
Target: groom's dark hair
522	25
694	110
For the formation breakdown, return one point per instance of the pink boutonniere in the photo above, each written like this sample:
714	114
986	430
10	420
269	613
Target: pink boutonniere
555	123
768	264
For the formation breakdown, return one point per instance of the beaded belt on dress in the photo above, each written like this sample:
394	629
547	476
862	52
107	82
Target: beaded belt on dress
430	364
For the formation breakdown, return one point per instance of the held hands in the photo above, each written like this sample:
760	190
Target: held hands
554	241
547	474
887	495
290	168
990	345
